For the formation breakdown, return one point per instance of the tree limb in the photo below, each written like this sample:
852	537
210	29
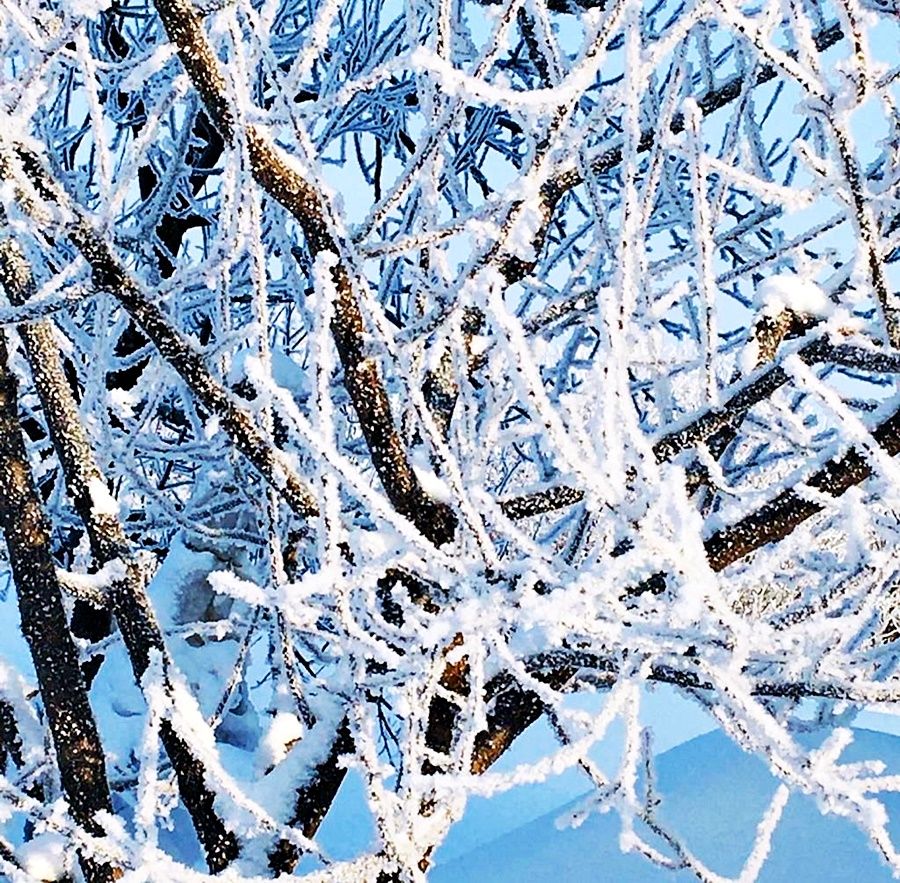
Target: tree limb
79	754
274	172
128	600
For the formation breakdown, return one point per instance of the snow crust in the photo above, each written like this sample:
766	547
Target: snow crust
716	795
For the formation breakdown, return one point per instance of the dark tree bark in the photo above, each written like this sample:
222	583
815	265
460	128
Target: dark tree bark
127	599
79	754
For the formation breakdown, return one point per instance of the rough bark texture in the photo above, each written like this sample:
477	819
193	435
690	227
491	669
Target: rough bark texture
79	753
127	599
361	375
10	740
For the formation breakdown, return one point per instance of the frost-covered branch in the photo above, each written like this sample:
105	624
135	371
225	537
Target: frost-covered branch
79	753
125	596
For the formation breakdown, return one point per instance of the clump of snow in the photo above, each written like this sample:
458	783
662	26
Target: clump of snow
284	731
227	583
44	857
93	585
748	360
102	501
527	222
211	427
87	8
123	401
431	484
285	371
797	293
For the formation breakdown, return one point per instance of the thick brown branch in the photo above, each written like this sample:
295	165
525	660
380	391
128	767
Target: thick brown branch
10	740
781	516
127	598
539	502
274	172
79	754
361	376
733	409
512	708
511	711
562	669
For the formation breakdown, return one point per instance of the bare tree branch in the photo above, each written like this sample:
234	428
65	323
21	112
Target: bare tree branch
301	197
79	753
127	599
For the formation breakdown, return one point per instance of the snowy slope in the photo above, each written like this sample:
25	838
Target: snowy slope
714	795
